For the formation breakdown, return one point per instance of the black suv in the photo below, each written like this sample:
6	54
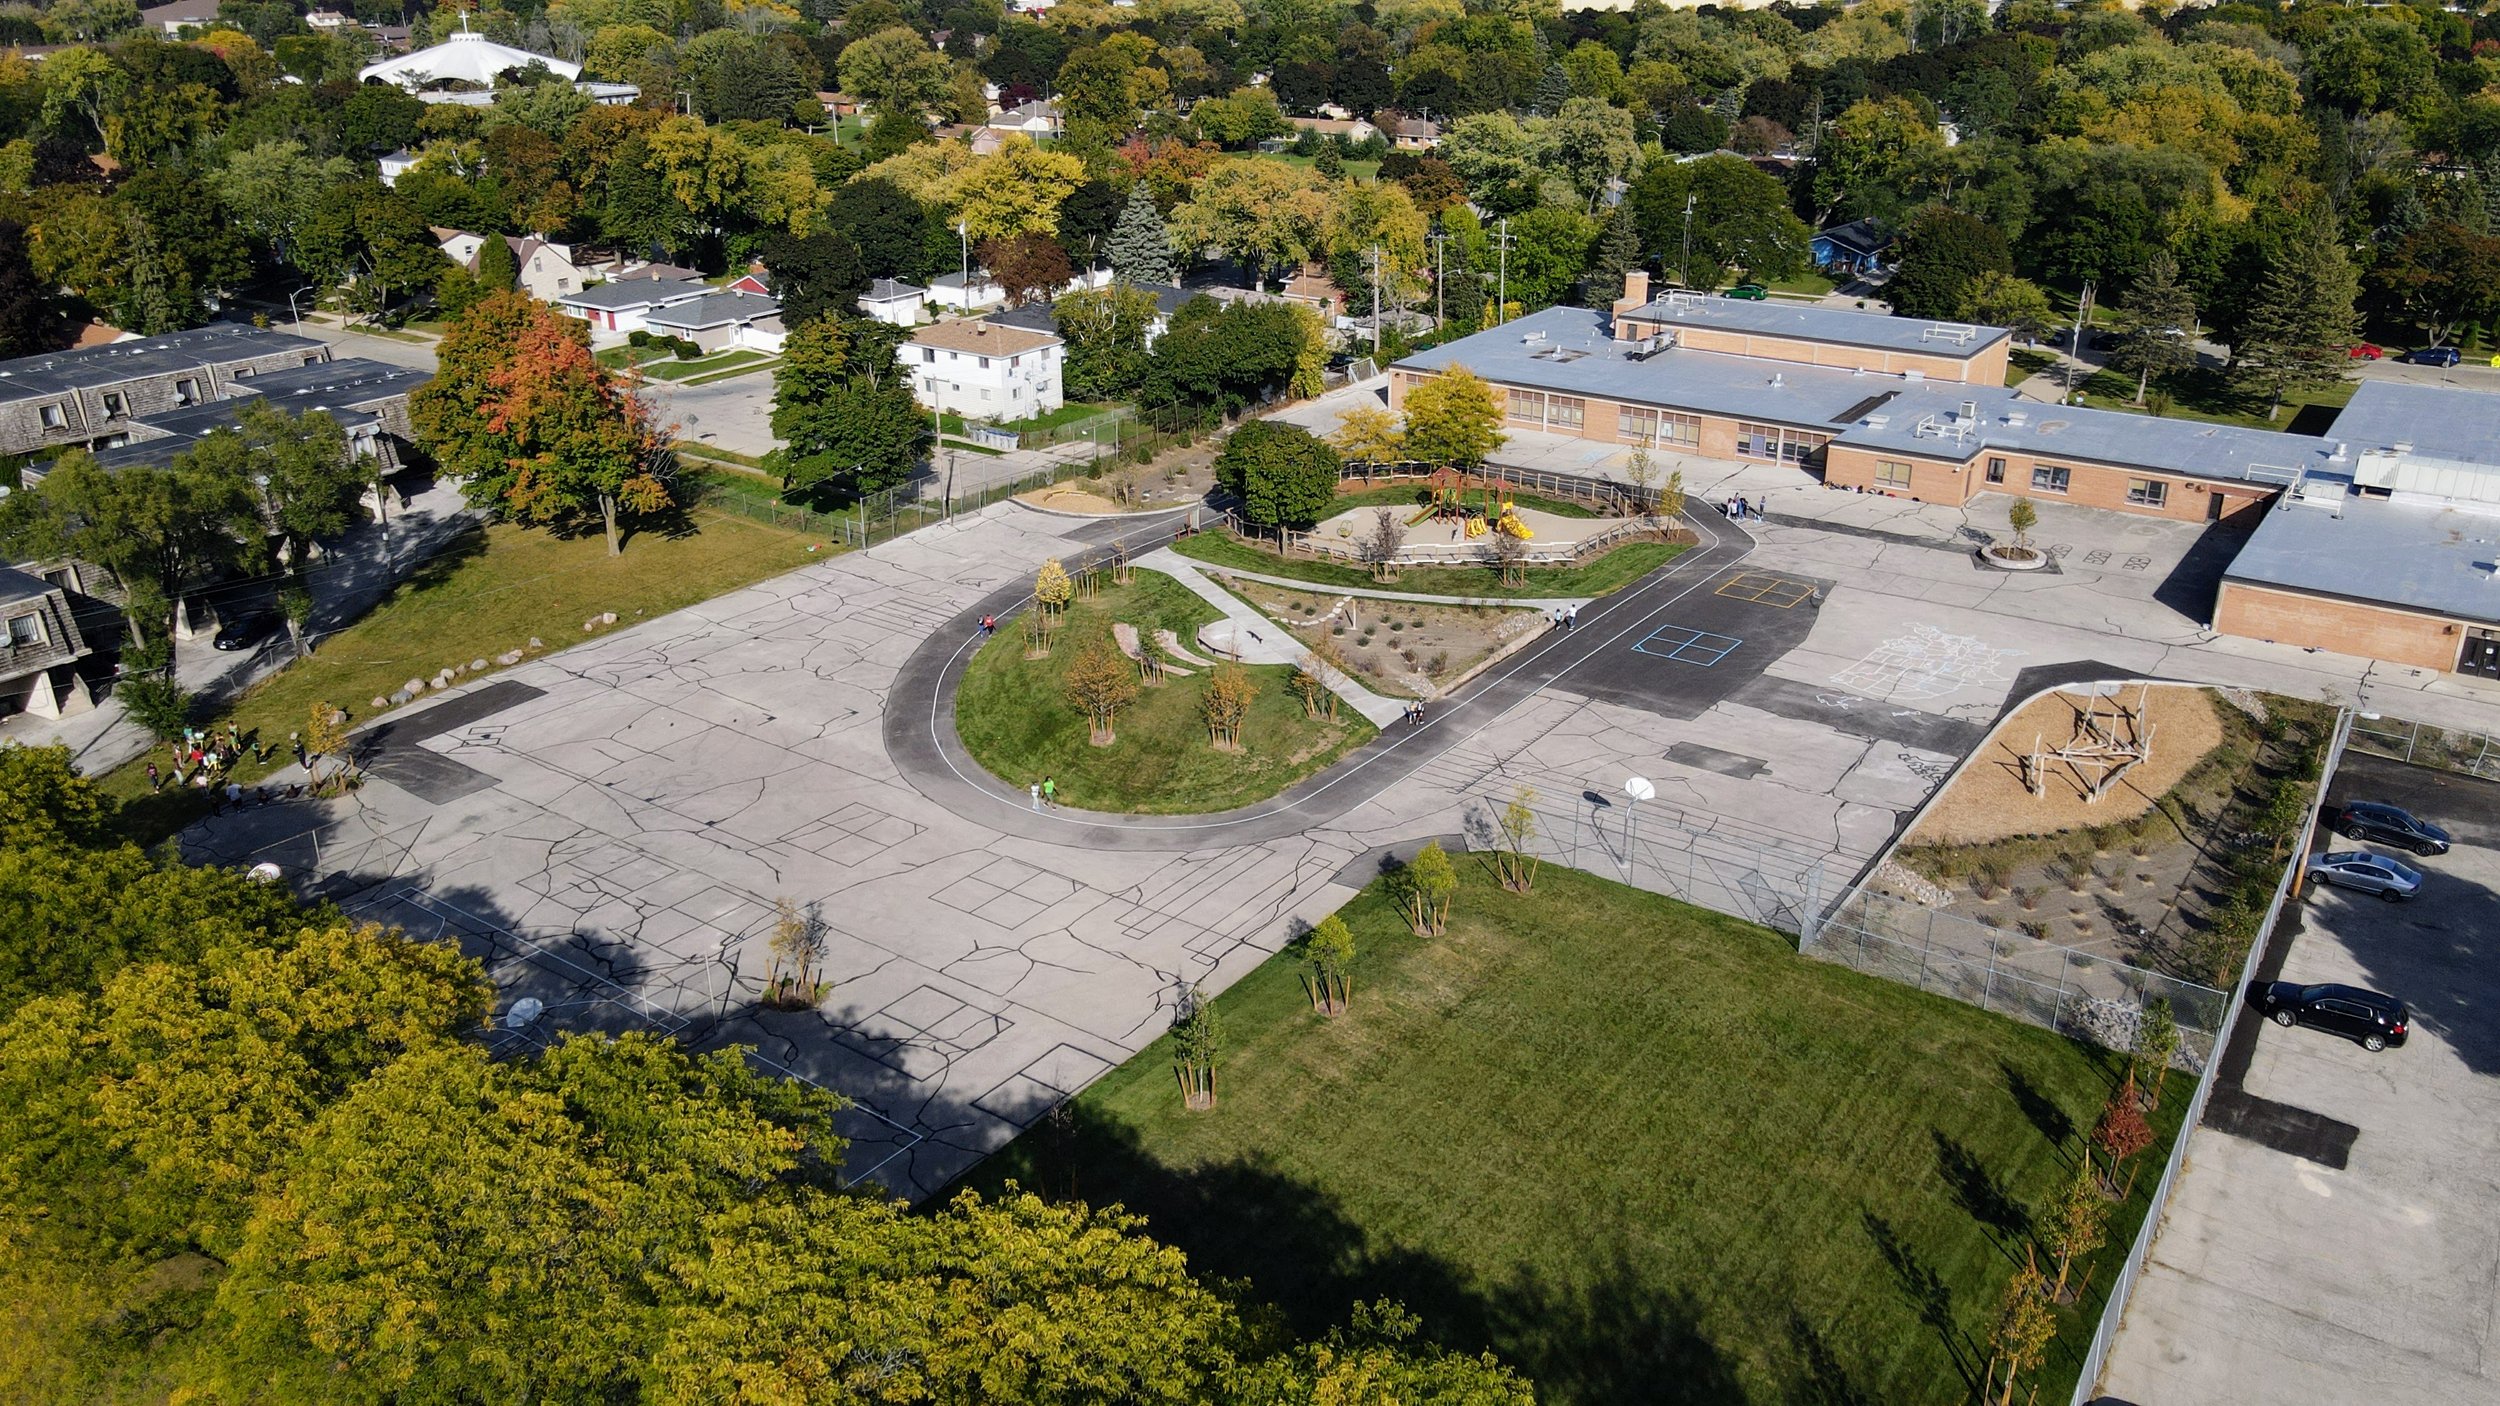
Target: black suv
2377	820
2377	1022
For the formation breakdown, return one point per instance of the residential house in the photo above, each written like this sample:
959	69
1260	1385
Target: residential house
891	300
1312	287
397	164
984	371
1409	133
1349	129
1856	247
965	293
757	279
546	269
619	309
93	395
1044	317
1037	119
39	664
328	20
839	105
722	319
171	20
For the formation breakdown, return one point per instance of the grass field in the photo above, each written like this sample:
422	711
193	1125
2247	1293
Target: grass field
1644	1152
2204	394
487	592
1609	573
1014	719
1364	172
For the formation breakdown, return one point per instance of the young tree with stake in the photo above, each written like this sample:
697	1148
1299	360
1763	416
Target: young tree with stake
1099	682
1332	956
1431	881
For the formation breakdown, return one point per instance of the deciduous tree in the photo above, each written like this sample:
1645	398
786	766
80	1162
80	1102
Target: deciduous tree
1332	954
816	275
1099	683
568	440
1940	253
1368	434
1284	475
844	413
1515	866
1453	419
1225	705
1430	881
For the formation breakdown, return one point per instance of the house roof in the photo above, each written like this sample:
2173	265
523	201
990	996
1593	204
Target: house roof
956	282
629	292
57	373
986	338
1038	110
1857	236
719	309
1316	286
892	290
466	57
179	12
16	585
347	389
1044	317
1839	326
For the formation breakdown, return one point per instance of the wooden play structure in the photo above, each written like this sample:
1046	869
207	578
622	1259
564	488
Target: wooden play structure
1490	511
2103	746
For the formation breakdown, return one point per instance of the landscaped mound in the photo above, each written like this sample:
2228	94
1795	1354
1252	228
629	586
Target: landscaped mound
1015	716
1991	798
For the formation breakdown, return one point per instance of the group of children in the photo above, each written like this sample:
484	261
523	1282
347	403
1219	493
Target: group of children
1045	792
203	758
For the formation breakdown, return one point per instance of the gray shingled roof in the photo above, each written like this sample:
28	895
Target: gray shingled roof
58	373
887	290
715	310
16	585
635	293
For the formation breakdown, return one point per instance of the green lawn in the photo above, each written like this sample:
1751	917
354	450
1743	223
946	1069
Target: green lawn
2204	394
1415	495
662	365
1066	414
2021	365
1644	1152
1609	573
1363	171
1810	285
1014	719
489	592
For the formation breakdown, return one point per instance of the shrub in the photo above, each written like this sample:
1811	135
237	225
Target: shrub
638	338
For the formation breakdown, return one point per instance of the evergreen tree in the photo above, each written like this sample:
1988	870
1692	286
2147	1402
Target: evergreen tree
2155	317
497	269
2301	330
1553	89
1618	253
1141	248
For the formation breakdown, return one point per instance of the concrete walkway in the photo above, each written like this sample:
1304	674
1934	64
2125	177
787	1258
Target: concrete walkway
1260	640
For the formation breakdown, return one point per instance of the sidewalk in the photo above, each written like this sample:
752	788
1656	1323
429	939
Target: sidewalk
1263	640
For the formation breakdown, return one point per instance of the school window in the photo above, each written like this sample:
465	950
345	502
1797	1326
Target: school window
186	392
1527	405
1684	430
2147	492
1892	474
2046	478
25	631
1565	413
1638	426
52	417
1996	470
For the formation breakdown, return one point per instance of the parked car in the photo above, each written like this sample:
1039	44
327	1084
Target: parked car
2433	356
2377	1021
2388	825
245	631
1751	292
2366	351
2360	870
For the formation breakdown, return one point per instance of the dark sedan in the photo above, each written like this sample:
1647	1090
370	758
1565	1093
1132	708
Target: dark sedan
246	631
2388	825
2377	1022
2433	356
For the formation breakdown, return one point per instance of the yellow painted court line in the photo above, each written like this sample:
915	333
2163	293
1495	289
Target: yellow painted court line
1777	592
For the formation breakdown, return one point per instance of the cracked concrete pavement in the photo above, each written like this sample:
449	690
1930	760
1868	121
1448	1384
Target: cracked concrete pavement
611	832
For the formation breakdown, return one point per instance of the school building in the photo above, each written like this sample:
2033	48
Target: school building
2379	539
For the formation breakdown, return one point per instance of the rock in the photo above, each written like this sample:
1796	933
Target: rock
338	717
537	643
413	687
475	665
380	702
607	617
508	658
589	625
401	697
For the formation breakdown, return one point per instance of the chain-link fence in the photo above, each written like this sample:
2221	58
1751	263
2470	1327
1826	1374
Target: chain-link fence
2090	995
2472	753
876	517
1706	860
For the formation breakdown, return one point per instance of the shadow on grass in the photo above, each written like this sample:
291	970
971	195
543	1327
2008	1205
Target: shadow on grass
2042	1110
1925	1291
1978	1192
1613	1334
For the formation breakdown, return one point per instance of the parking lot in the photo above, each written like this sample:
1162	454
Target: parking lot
2336	1234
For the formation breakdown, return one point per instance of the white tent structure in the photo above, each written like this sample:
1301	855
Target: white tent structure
463	57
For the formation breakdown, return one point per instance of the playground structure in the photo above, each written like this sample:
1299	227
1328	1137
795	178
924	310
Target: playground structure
2099	750
1492	512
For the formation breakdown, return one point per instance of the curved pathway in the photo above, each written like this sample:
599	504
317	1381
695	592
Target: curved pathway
920	733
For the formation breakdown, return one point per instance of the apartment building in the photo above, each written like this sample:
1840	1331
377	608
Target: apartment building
93	396
983	370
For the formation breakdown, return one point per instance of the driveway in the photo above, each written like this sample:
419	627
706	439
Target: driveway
2336	1234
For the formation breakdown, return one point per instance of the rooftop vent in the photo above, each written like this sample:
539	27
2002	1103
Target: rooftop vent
2018	418
1777	380
1913	375
1876	422
1953	332
1531	338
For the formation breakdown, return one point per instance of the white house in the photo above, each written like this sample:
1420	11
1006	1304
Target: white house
328	19
983	371
720	320
174	18
398	164
547	270
959	293
891	300
616	310
1037	119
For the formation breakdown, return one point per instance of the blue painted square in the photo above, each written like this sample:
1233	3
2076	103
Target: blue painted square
1687	646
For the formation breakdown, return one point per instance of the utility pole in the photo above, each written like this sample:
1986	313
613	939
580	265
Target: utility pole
2074	349
1501	288
1375	305
1684	270
1439	237
963	231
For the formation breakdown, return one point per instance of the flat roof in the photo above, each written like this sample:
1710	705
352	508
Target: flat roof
81	368
341	388
2440	422
1805	322
2005	422
2426	557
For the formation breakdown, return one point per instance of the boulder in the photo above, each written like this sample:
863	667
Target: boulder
475	665
413	687
607	617
380	702
537	643
401	697
508	658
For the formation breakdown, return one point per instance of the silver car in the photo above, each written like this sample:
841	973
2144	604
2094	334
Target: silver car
2369	873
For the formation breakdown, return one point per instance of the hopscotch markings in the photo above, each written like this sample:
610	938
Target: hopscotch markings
1927	664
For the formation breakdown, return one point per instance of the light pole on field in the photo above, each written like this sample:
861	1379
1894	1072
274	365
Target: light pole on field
1639	789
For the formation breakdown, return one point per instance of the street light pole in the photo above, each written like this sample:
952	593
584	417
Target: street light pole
1375	304
1440	236
1684	270
1501	287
